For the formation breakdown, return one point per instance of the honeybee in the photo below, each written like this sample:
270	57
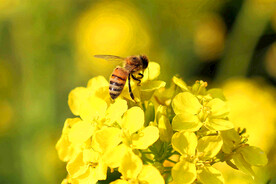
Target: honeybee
132	67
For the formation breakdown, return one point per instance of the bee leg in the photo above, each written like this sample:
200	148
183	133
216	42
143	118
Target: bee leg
129	88
141	75
137	79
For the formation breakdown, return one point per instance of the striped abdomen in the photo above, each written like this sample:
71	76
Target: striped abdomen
117	82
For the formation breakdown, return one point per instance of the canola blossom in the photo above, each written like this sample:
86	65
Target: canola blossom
172	134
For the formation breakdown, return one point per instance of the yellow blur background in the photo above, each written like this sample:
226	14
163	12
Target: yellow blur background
47	48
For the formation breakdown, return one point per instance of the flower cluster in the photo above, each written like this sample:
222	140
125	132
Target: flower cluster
167	135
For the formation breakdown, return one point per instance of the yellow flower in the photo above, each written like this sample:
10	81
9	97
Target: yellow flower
87	167
243	155
132	134
191	114
66	150
194	161
133	171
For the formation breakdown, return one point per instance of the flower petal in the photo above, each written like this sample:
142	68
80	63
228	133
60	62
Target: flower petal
186	121
165	128
209	146
219	124
230	138
92	108
152	85
131	165
150	174
183	172
113	158
80	132
218	107
210	175
186	102
119	181
184	142
97	82
145	138
76	166
133	119
180	83
115	111
254	156
106	139
75	99
242	164
152	72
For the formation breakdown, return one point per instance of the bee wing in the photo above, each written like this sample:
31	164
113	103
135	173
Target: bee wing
110	57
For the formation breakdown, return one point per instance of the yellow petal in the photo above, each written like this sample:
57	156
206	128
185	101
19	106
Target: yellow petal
119	182
69	123
92	108
97	82
150	174
184	142
131	165
165	129
89	155
180	83
133	119
230	138
113	158
219	108
89	177
210	145
76	166
115	111
145	138
184	172
101	170
106	139
254	156
210	175
186	102
152	85
152	72
76	97
219	124
242	164
80	132
65	149
149	87
186	121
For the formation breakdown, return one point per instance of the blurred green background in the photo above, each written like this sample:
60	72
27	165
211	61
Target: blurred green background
47	48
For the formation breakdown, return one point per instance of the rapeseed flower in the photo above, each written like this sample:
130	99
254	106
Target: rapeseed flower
167	135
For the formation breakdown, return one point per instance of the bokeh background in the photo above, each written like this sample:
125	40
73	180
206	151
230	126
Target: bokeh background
47	48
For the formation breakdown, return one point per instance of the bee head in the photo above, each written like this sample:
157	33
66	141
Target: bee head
145	61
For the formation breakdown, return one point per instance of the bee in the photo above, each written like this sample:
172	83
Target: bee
132	68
